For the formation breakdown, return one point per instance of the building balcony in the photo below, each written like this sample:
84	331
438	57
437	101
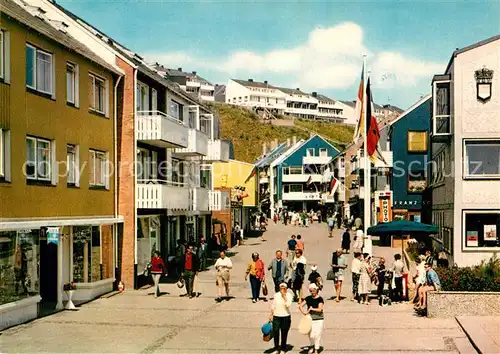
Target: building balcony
153	194
197	144
219	200
207	87
159	129
218	150
292	110
387	155
302	196
207	98
316	160
302	178
199	199
193	84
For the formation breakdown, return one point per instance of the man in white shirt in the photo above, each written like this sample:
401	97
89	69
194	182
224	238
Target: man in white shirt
358	242
222	267
398	270
355	270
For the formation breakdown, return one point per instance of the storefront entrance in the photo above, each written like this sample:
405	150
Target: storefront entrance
48	269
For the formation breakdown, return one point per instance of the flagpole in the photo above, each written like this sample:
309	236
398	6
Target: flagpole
367	165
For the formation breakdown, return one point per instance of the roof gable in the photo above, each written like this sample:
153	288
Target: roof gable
412	108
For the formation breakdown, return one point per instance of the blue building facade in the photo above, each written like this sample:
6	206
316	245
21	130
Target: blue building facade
410	144
297	176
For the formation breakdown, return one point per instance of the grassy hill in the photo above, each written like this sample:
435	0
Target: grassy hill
248	133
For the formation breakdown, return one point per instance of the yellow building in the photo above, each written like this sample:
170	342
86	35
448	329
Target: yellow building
236	177
57	152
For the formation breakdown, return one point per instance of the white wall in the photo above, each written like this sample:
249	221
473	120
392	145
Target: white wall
474	119
349	113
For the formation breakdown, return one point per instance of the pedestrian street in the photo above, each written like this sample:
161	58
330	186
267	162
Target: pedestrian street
136	322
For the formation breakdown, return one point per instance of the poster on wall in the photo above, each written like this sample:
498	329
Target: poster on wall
490	233
472	239
53	235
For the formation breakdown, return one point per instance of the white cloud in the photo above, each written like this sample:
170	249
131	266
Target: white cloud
329	59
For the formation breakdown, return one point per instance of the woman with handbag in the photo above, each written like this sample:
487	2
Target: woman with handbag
158	269
281	318
314	304
256	271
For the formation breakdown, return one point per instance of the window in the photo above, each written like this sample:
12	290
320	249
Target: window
441	108
482	159
97	94
438	168
205	176
177	172
295	170
87	254
481	228
72	162
39	70
98	166
4	155
310	152
154	100
142	92
38	161
174	110
2	55
417	141
417	181
147	169
71	83
323	152
295	188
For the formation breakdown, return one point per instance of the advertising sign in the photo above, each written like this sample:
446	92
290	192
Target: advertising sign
385	213
490	232
472	239
53	235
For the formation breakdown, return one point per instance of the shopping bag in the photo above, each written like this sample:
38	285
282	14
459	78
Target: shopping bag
264	288
267	331
305	324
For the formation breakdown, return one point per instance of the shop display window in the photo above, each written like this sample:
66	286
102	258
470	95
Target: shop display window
19	259
86	254
481	229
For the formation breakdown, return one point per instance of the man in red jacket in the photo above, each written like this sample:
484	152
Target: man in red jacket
158	269
191	265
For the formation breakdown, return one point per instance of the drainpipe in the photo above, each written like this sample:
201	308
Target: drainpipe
135	173
115	139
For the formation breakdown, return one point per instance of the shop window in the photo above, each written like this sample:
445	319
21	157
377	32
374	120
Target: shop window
417	141
481	229
417	181
19	256
86	254
148	230
482	159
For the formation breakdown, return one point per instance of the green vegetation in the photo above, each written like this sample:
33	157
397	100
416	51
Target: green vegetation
248	133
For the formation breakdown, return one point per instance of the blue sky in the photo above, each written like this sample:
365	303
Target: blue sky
317	45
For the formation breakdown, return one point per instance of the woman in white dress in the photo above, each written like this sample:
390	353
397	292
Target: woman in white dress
364	279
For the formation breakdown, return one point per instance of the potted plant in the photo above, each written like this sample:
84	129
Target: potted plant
70	288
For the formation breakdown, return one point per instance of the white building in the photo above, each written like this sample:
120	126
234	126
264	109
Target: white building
300	104
256	95
331	110
191	82
466	153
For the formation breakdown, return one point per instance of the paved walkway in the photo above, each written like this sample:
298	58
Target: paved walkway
135	322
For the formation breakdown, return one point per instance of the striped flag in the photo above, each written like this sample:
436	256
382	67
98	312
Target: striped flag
309	180
360	126
334	184
372	131
252	174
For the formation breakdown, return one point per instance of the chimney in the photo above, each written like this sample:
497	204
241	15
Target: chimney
288	142
298	89
264	149
294	140
265	82
179	69
315	94
194	72
250	80
275	143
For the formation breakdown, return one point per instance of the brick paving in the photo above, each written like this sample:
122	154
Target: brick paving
135	322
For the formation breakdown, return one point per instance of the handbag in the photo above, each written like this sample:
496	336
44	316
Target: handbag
180	283
305	324
264	288
330	275
267	331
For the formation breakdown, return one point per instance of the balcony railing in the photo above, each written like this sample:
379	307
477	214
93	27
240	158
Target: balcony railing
199	199
159	129
218	150
302	196
155	194
219	200
302	178
197	144
316	160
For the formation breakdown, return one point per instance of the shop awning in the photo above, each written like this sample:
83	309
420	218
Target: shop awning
15	224
402	227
